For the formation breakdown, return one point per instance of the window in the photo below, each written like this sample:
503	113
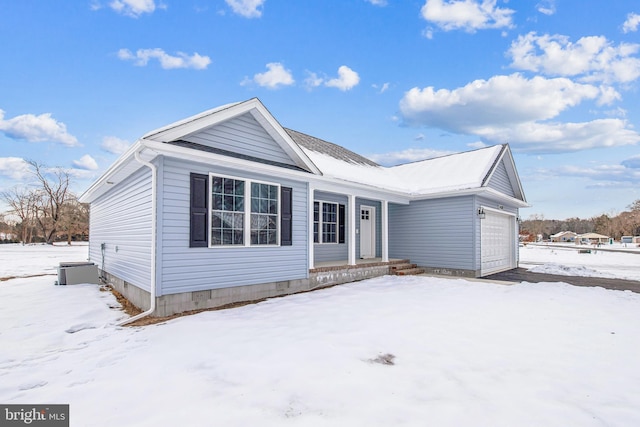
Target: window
231	215
328	222
264	214
227	211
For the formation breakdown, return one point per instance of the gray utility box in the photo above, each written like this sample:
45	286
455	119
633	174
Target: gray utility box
74	273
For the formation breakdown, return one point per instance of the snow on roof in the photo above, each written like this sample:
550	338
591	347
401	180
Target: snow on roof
448	173
453	172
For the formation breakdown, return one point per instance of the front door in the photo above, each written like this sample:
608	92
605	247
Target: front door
367	232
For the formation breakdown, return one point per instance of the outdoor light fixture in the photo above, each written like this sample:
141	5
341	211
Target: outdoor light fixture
481	213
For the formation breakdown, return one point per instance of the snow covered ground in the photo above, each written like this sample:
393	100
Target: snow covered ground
568	261
466	354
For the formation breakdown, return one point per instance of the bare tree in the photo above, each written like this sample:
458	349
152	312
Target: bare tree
22	202
50	199
74	218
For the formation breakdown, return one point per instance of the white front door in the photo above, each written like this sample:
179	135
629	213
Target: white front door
367	232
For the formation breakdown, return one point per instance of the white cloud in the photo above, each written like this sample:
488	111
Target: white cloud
499	101
535	137
406	156
180	60
15	168
247	8
275	77
381	88
547	7
313	80
133	8
86	162
632	23
591	58
114	145
378	2
347	79
467	15
34	128
606	175
516	110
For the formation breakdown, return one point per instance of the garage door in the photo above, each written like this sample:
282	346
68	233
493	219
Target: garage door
497	243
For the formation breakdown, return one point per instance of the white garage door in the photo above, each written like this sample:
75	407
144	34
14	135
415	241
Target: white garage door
497	243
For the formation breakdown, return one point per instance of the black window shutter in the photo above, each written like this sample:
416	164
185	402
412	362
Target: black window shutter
286	216
199	210
341	223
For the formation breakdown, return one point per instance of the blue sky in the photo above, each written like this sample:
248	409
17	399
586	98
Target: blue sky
394	80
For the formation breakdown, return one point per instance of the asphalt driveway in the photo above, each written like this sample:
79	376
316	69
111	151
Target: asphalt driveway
523	275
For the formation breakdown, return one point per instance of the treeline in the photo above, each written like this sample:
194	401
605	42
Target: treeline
626	223
44	212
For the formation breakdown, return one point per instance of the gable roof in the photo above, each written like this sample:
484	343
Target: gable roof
469	171
184	128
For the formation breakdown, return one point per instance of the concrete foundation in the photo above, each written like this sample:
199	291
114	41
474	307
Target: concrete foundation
439	271
167	305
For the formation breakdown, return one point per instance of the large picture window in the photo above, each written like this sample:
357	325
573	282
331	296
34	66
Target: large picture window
244	212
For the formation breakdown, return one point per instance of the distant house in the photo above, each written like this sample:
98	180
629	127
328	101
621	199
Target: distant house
564	236
229	206
590	238
630	239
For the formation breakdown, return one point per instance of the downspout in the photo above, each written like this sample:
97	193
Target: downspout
154	203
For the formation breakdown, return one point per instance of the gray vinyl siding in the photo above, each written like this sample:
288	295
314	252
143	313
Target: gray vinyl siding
243	135
185	269
121	219
434	233
332	251
378	206
500	180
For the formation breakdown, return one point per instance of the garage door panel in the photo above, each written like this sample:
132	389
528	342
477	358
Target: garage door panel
497	243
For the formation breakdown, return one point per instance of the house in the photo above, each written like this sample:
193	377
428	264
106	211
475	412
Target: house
591	238
230	206
564	236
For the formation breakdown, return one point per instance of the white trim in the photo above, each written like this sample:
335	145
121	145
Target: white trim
153	149
310	212
351	243
384	220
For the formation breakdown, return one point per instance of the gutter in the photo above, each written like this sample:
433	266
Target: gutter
152	286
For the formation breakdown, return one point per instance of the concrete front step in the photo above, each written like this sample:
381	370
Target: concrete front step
409	271
406	269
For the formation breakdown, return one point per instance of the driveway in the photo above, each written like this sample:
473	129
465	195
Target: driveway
523	275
